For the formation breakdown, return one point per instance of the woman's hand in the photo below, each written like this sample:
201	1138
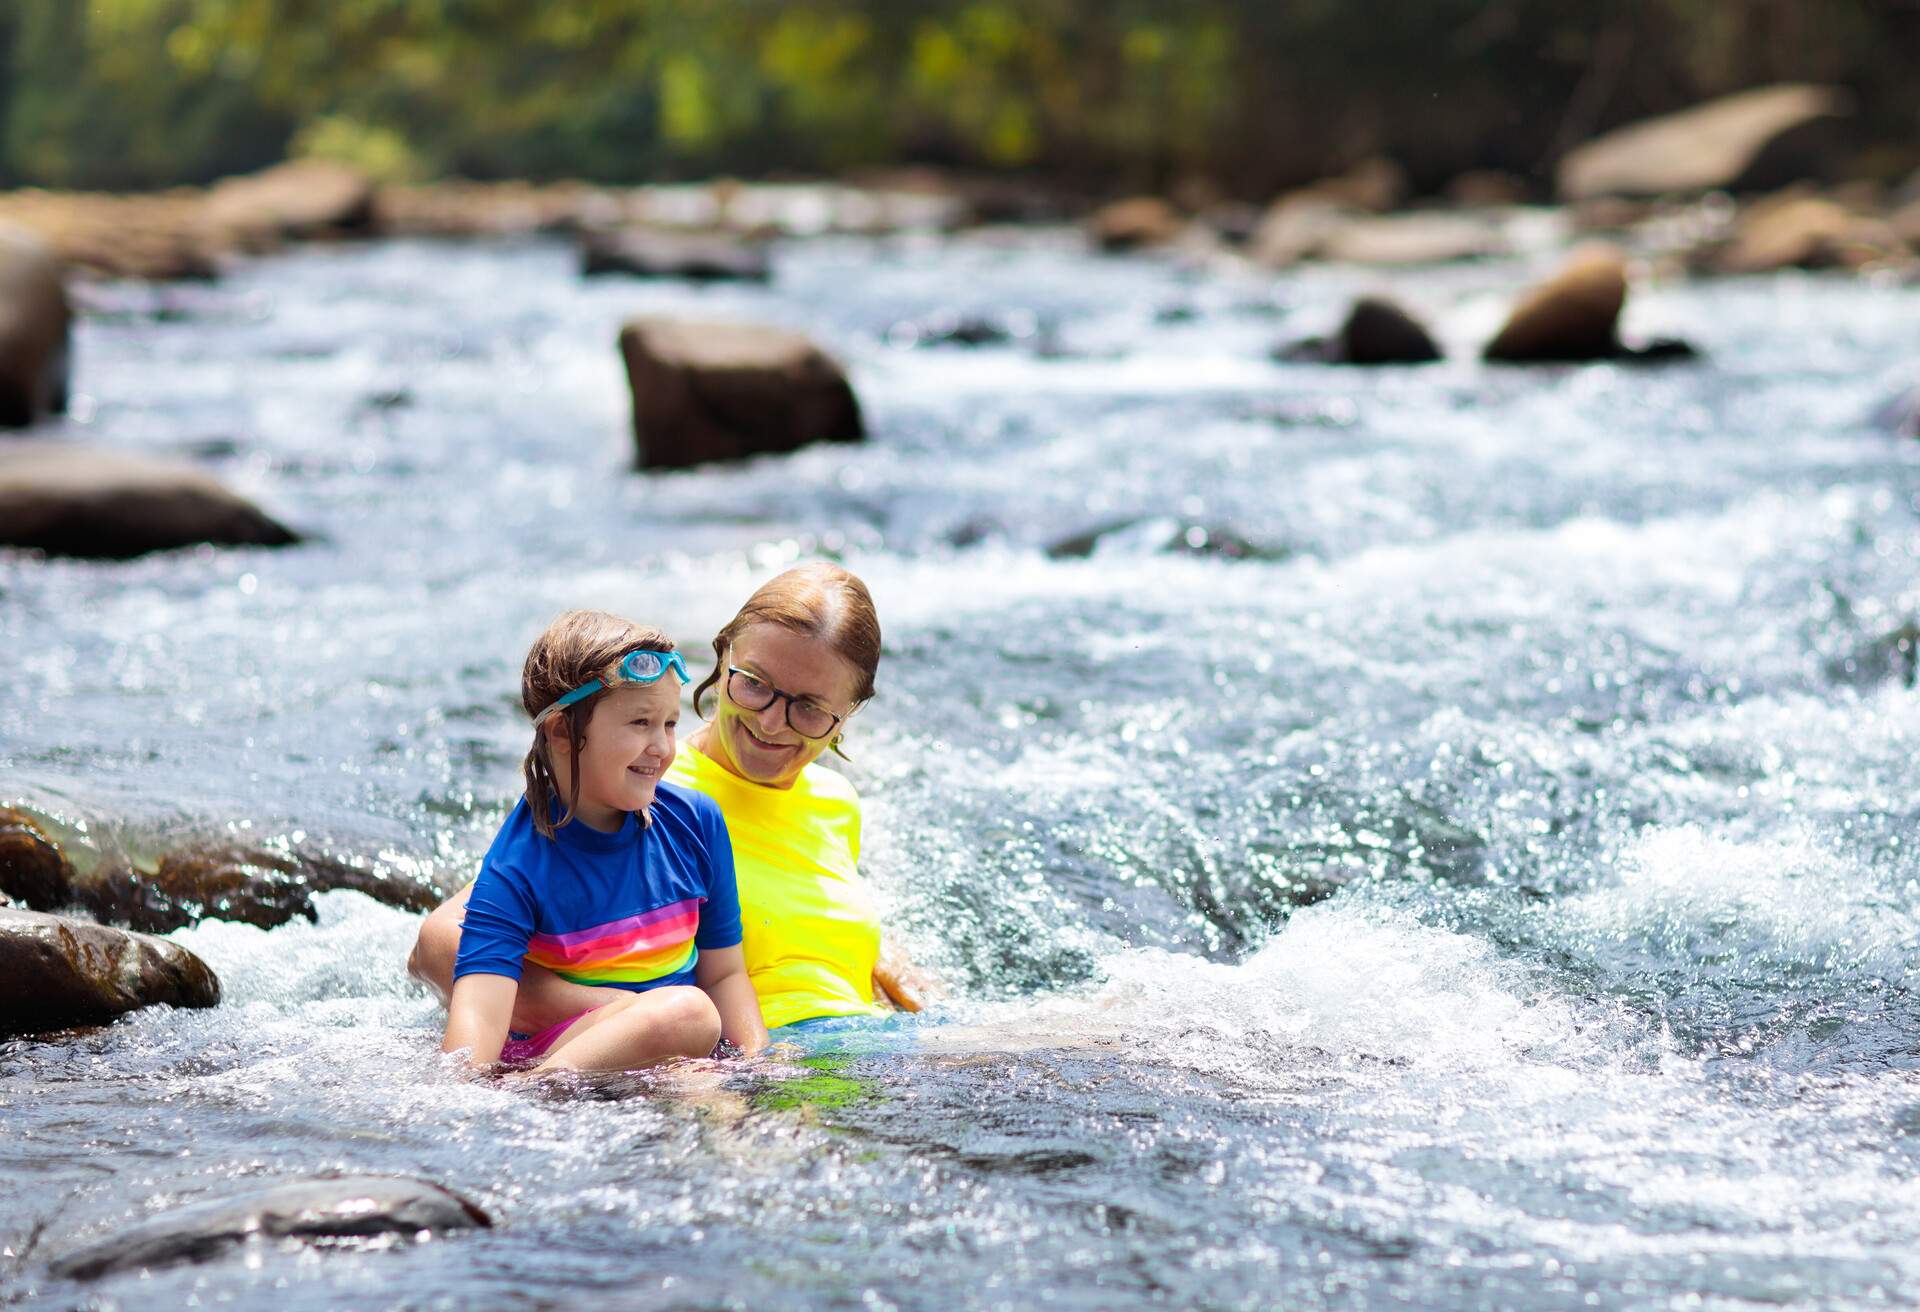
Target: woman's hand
902	983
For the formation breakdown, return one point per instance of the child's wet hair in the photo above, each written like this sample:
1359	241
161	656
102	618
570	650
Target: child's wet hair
577	648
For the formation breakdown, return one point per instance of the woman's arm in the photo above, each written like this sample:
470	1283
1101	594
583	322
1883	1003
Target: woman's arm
900	981
477	1017
722	972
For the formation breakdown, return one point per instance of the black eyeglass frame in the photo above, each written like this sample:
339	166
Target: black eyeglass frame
779	694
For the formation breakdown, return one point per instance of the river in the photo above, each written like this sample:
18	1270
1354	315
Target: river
1439	837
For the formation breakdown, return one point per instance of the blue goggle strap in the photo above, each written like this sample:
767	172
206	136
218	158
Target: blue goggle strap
635	667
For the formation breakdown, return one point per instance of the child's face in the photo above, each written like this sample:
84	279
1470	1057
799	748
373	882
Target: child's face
629	746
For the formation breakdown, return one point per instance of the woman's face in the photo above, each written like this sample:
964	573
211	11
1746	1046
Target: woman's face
760	745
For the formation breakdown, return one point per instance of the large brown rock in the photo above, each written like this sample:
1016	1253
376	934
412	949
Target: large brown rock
156	236
35	322
723	391
56	973
79	501
340	1207
301	198
1754	141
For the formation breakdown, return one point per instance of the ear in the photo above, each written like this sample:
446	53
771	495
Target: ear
555	732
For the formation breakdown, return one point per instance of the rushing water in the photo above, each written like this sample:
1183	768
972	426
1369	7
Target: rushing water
1443	837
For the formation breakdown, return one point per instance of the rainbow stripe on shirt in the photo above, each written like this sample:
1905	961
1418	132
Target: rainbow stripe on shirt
631	950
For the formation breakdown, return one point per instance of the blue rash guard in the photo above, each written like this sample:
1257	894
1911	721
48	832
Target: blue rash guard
629	910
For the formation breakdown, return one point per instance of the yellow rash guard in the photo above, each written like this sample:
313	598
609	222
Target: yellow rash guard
811	936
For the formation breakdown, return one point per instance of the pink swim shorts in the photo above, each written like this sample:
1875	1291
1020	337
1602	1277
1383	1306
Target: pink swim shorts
520	1050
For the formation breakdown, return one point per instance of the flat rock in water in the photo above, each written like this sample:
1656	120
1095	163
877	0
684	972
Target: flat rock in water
1574	315
78	501
657	253
706	391
35	323
1798	231
56	973
1410	239
1747	142
1136	222
346	1207
302	198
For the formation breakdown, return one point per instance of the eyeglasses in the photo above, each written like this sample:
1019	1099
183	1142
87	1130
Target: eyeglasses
634	667
750	692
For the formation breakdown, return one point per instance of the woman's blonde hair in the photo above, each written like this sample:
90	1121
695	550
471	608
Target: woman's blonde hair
819	601
577	648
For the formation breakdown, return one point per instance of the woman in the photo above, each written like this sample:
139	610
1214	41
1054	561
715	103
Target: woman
790	669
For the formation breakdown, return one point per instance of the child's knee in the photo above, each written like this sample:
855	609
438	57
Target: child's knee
695	1019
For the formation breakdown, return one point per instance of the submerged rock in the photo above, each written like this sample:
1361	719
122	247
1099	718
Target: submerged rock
35	329
78	501
658	253
1376	331
56	973
1751	141
343	1207
725	391
1162	535
1901	415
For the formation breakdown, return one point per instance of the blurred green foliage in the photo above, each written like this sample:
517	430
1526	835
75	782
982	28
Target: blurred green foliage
1111	94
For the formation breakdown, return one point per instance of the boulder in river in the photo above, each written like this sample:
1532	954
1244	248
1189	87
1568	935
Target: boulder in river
34	872
1375	331
301	198
35	329
1139	221
341	1207
186	884
1752	141
78	501
1574	315
662	253
705	391
56	973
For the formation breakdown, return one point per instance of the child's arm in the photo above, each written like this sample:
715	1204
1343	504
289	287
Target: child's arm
477	1017
722	972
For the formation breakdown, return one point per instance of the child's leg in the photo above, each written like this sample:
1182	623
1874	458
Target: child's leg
639	1029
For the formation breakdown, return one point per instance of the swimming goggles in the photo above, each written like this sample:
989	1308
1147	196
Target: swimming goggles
634	667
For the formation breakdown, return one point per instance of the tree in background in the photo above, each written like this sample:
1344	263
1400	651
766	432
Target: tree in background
1120	94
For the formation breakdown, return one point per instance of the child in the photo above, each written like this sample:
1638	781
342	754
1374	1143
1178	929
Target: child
604	873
